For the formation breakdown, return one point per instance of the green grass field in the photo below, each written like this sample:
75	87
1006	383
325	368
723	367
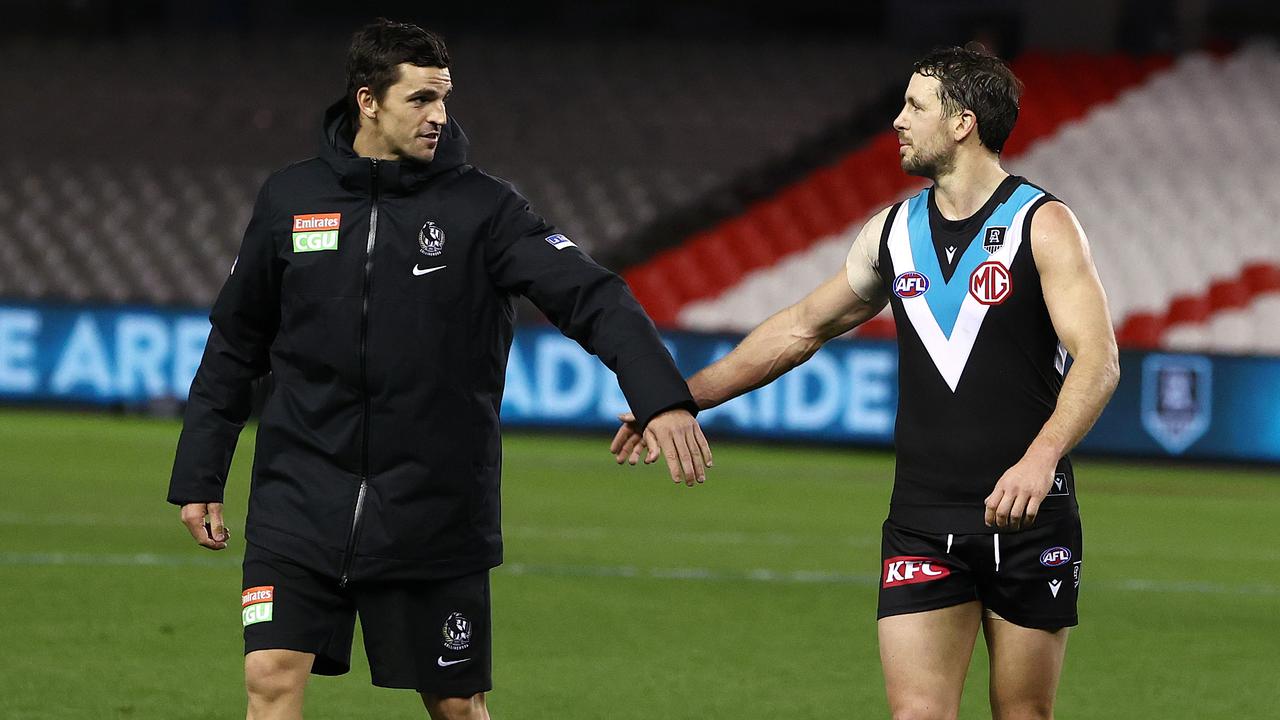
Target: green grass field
623	596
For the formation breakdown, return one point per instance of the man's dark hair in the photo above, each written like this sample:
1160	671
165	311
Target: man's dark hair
376	51
974	80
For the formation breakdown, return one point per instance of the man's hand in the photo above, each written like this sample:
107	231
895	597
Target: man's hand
211	533
1015	501
628	442
676	434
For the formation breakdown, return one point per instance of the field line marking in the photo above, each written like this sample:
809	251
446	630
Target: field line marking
694	574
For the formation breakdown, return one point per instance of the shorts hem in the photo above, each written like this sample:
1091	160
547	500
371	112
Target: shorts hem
1040	623
322	665
1036	623
926	606
448	692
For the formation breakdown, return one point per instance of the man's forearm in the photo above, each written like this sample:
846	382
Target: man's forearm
772	349
1085	393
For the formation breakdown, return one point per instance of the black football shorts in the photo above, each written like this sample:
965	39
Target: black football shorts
433	636
1030	578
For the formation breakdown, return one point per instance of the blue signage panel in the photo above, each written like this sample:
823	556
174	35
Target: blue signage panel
1167	405
98	355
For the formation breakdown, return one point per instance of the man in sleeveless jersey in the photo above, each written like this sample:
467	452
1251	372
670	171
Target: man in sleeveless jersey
991	285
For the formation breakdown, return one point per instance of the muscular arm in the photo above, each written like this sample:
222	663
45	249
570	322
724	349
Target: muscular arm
1078	309
787	339
792	335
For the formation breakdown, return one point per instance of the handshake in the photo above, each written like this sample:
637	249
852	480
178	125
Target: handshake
675	434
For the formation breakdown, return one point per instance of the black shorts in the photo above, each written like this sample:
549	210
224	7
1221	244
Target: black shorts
433	636
1030	578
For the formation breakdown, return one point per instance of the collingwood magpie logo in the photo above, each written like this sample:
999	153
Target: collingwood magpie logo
431	239
457	632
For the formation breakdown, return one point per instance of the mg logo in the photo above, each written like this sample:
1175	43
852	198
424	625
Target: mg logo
910	284
990	283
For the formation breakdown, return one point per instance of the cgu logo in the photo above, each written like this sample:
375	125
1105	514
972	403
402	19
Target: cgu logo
905	570
910	284
1055	556
990	283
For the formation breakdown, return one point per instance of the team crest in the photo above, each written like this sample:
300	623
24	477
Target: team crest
1176	399
457	632
993	238
431	239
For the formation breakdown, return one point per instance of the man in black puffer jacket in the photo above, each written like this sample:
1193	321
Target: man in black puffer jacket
375	283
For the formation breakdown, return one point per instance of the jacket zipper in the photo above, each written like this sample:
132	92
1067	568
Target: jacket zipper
349	555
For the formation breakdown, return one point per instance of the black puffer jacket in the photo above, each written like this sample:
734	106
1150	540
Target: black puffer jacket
379	295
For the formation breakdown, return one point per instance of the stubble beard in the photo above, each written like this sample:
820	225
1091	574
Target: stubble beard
929	166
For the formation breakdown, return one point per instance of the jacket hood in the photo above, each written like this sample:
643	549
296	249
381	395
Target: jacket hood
336	149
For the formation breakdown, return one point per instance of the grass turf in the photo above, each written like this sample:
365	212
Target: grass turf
625	597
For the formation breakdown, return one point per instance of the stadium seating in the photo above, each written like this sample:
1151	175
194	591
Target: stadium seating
1171	173
136	186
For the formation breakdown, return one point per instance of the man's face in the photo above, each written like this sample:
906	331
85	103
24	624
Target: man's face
410	115
926	146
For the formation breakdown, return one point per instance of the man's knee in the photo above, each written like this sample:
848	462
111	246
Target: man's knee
923	711
456	708
1026	710
270	675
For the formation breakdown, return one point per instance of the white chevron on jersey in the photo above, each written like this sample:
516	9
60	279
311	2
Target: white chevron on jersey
949	354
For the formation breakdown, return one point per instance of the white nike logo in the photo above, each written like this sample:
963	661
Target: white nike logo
446	663
951	252
423	271
1053	586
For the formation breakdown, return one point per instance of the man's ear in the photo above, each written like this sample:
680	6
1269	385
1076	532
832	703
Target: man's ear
367	103
965	124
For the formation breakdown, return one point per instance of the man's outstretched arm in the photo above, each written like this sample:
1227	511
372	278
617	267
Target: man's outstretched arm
787	339
594	307
1078	309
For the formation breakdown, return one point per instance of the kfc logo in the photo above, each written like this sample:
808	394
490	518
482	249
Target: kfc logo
911	570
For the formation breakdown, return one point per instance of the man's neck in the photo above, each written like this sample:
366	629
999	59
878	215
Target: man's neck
963	190
367	145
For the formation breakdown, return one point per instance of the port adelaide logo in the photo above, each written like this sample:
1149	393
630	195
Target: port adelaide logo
456	632
431	239
993	238
910	284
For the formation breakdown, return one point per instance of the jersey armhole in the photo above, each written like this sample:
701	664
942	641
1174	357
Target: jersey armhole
1028	222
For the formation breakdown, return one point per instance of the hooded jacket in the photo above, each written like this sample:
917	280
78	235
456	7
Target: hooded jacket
379	294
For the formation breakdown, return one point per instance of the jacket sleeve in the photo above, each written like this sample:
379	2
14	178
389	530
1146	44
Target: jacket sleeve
245	318
587	303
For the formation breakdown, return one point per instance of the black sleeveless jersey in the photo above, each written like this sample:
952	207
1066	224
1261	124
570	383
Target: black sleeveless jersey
979	363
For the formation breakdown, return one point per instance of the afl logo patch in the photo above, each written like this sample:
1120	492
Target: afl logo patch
1055	556
431	239
910	284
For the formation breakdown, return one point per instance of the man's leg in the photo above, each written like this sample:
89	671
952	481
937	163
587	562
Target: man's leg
455	708
925	656
1025	666
275	681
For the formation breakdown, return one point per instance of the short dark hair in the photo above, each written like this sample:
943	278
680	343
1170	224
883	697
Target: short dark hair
376	51
972	79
